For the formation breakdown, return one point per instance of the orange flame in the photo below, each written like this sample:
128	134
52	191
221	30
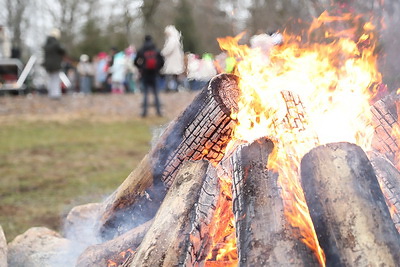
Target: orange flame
111	263
332	78
223	251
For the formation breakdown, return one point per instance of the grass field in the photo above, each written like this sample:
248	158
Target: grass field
46	168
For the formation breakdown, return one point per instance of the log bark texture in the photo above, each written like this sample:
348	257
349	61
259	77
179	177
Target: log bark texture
384	118
347	207
389	180
100	254
264	236
177	237
202	131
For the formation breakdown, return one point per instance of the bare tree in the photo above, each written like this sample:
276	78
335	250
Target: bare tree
15	17
148	10
67	15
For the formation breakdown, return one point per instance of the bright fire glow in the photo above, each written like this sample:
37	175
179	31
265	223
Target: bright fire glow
224	251
332	77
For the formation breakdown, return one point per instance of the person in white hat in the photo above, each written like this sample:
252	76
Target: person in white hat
86	71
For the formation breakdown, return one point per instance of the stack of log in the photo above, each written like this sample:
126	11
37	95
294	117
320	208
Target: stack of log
164	213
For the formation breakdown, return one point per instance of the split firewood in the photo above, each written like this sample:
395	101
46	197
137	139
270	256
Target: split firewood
178	236
385	118
347	207
202	131
101	254
389	180
264	236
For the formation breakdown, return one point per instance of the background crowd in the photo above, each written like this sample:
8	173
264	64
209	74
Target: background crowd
114	71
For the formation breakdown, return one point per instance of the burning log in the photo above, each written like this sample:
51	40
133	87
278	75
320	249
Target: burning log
389	180
201	131
177	236
347	207
384	117
265	238
99	255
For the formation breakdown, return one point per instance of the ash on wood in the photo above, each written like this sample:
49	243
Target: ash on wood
347	207
170	240
389	180
265	238
202	131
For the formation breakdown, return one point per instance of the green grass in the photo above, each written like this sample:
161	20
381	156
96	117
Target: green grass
46	168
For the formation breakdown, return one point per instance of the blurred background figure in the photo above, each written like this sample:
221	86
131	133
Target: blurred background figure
118	73
53	57
85	71
173	56
100	69
264	43
149	61
200	70
110	62
131	70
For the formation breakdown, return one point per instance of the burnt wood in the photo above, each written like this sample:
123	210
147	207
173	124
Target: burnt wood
384	118
100	254
264	236
178	236
202	131
389	180
347	207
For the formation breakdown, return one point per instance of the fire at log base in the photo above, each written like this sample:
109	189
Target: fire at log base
202	131
179	234
347	207
109	251
265	238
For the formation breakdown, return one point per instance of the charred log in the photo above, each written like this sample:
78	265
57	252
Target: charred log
179	234
347	207
384	117
389	180
101	254
201	132
265	238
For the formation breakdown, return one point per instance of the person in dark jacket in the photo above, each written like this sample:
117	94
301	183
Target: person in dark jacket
149	61
53	57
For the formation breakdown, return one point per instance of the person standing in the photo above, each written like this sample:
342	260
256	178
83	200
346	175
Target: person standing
85	71
149	61
118	73
174	57
53	57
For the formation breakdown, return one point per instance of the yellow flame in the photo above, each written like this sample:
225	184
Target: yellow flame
332	78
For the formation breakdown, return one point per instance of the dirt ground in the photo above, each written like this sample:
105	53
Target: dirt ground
95	106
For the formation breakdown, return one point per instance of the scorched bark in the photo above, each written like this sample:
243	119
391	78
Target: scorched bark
347	207
202	131
264	235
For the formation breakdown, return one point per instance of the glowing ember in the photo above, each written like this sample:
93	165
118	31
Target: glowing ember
396	134
223	251
120	258
332	77
111	263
